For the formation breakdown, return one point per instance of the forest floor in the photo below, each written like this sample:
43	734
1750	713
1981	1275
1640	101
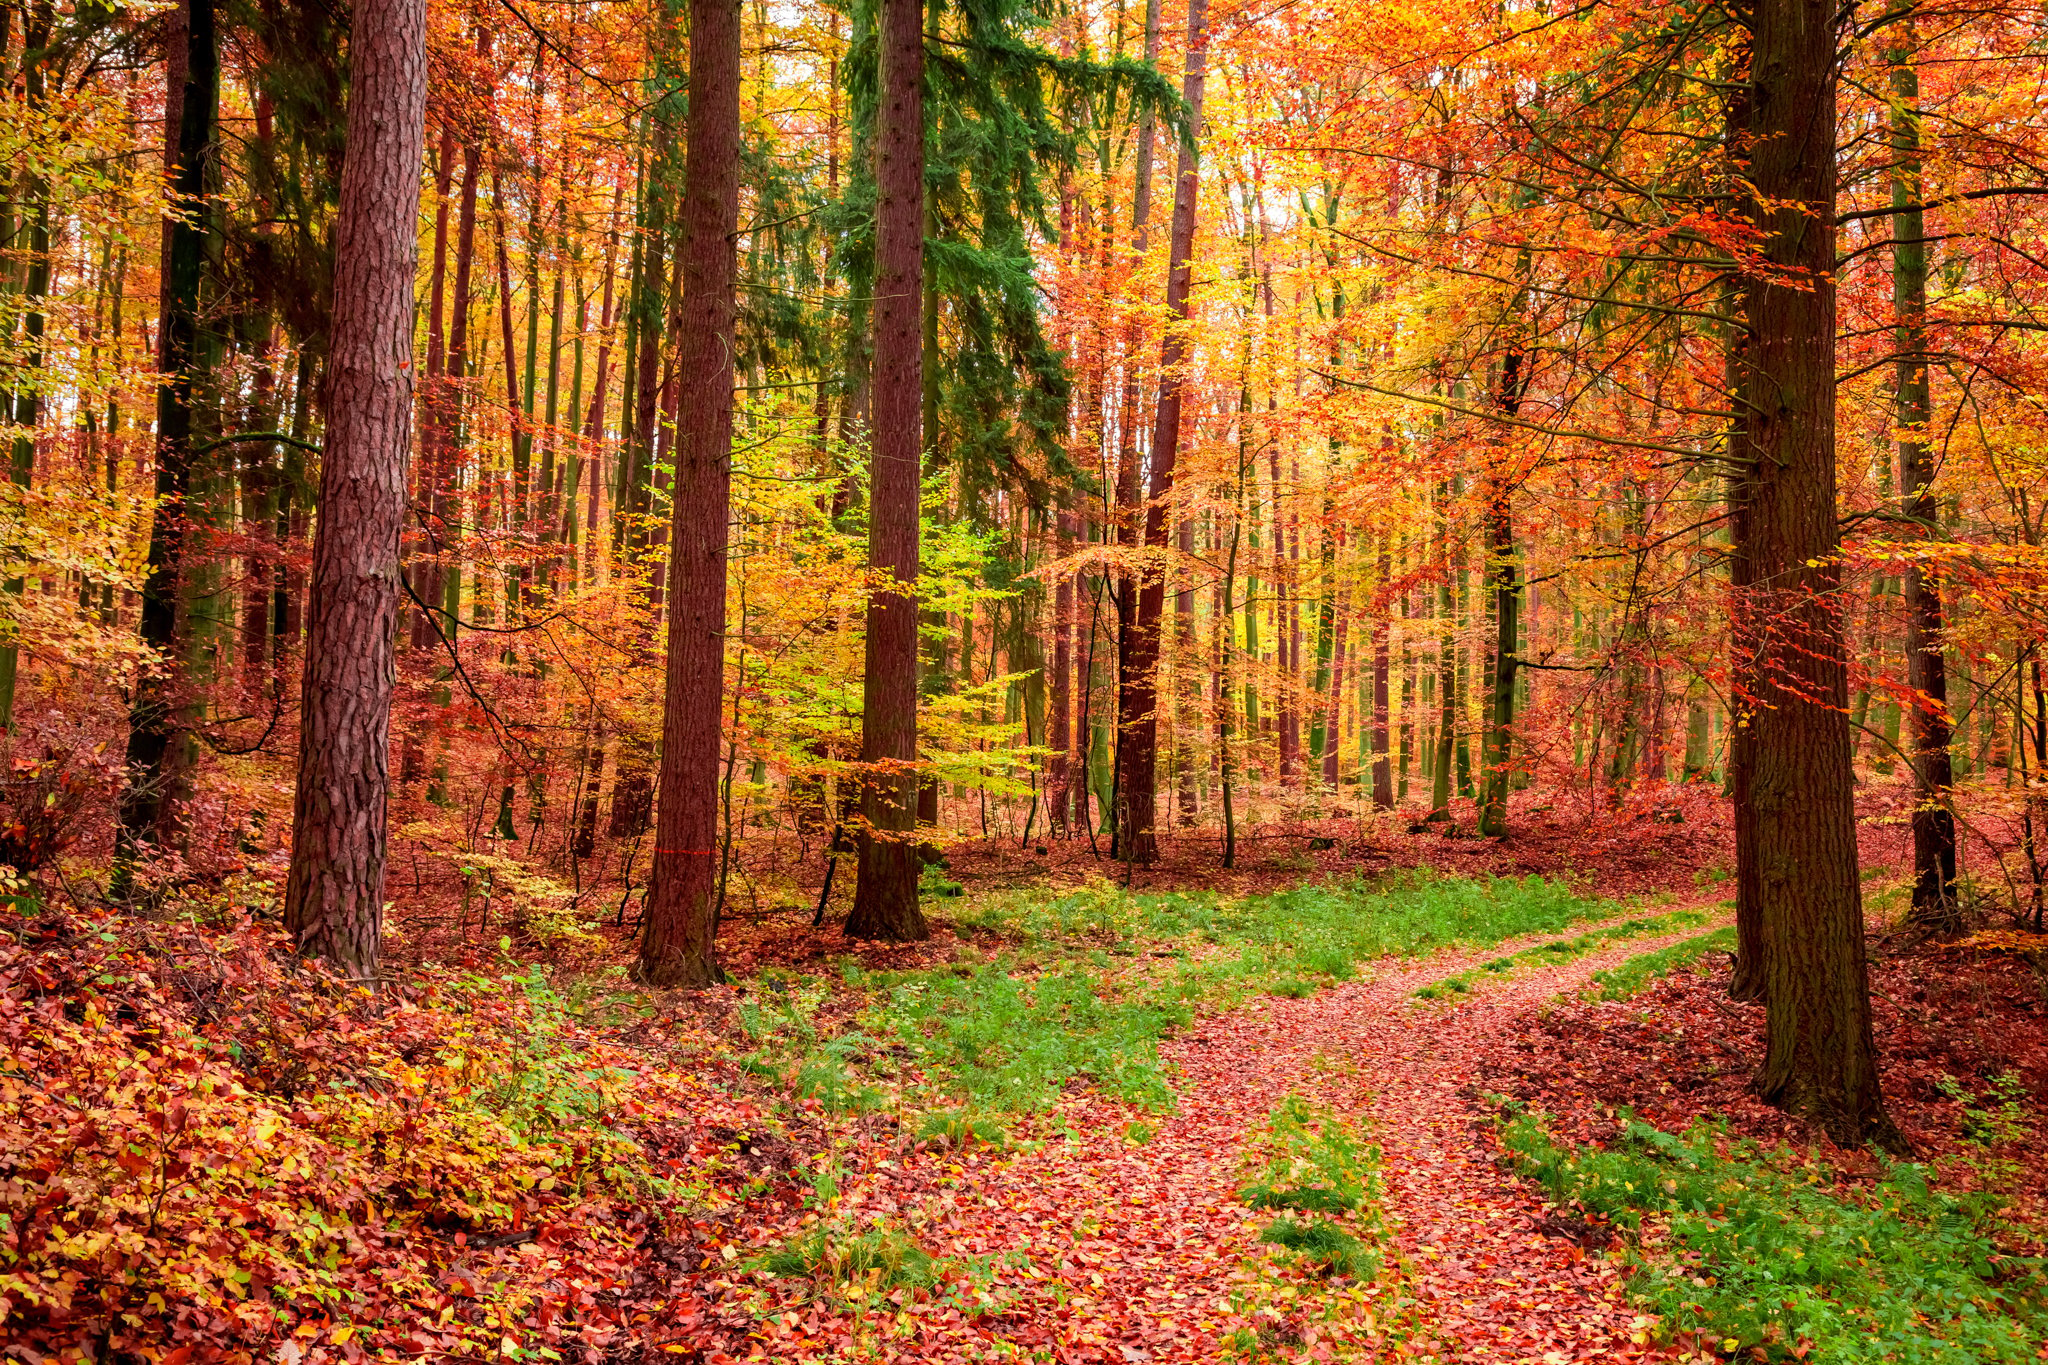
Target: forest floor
1143	1246
1379	1093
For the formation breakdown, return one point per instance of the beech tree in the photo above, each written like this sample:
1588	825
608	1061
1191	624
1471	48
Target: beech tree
334	895
676	940
1819	1055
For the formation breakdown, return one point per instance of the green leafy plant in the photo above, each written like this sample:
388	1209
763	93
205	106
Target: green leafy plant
870	1262
1757	1251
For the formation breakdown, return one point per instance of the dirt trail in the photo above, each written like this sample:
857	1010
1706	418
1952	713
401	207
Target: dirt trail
1139	1248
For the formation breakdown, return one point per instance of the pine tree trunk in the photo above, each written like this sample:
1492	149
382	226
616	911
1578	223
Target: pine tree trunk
1129	515
885	899
334	893
681	922
1819	1056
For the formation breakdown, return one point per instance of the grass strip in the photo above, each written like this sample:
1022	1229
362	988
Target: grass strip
1629	978
1088	983
1560	950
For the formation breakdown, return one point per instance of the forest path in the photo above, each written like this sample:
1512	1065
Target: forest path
1140	1249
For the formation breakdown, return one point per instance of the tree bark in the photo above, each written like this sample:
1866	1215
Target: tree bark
1382	667
24	406
1059	766
1128	515
1934	823
334	893
885	899
146	806
1507	604
1138	692
1819	1056
678	934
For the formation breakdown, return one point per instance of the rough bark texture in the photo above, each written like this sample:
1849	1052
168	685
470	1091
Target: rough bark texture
1819	1057
676	940
885	900
334	894
1138	691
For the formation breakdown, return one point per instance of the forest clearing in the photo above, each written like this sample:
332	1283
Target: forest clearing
1023	680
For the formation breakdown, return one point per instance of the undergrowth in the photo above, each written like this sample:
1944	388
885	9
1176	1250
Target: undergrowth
1753	1250
205	1140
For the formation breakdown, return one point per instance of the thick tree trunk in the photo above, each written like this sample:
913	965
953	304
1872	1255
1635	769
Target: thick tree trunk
885	899
146	806
334	894
1138	692
1934	823
1819	1056
1129	515
681	923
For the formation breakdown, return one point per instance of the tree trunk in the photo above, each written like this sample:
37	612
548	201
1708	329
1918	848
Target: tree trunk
1382	667
1129	516
1138	692
885	899
1819	1056
426	572
24	406
334	893
146	805
1507	604
1059	766
1934	823
681	923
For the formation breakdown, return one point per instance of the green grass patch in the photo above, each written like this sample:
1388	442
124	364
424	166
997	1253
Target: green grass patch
1089	982
1311	1160
1628	979
1562	950
1324	1245
1755	1250
877	1260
